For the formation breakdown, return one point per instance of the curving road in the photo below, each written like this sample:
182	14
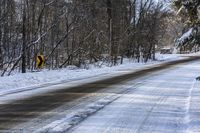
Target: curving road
157	99
165	103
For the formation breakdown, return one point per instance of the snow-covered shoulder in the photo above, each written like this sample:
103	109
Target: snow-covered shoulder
29	81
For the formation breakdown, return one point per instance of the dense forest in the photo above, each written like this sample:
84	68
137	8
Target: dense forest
78	32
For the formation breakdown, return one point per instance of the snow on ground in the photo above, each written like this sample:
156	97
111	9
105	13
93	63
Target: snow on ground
194	111
162	103
166	57
77	116
28	81
165	103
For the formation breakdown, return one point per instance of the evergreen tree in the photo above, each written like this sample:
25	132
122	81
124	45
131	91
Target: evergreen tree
188	10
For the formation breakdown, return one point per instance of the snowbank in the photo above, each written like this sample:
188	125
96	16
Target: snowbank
29	81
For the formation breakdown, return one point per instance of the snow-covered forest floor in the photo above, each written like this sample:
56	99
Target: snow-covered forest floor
44	78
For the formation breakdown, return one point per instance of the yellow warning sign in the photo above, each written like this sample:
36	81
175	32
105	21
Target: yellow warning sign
40	61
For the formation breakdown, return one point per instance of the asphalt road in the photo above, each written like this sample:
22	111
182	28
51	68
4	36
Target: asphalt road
166	102
26	110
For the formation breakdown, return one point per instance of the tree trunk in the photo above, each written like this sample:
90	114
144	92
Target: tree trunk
24	39
110	28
